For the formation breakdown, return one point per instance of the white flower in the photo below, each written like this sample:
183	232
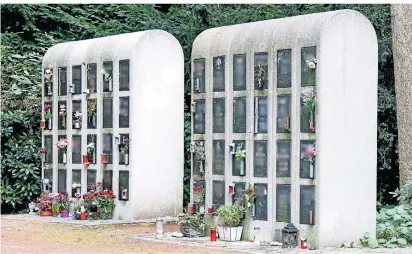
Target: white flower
90	145
311	65
76	185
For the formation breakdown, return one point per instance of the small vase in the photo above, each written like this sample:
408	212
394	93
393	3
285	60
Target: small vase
64	214
202	209
63	122
49	90
49	124
94	121
201	168
311	170
311	127
126	159
242	167
64	158
110	86
78	190
77	124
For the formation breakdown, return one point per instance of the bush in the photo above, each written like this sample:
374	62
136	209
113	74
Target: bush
404	195
230	215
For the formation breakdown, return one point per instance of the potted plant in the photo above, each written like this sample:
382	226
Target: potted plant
48	116
309	101
102	199
64	204
126	143
240	155
44	203
55	208
199	198
77	120
192	225
62	145
91	109
229	219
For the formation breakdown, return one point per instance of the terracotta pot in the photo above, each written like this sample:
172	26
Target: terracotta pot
46	213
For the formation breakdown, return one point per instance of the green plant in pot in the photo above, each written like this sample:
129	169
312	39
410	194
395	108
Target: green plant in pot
229	222
64	204
192	225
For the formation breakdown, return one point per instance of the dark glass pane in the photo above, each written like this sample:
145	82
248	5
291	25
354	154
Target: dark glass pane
48	174
283	158
91	178
124	112
261	202
48	115
261	114
239	72
239	115
108	147
122	154
307	204
219	74
107	112
239	191
199	75
77	149
283	202
76	179
308	66
92	77
123	185
284	71
92	147
261	70
48	143
62	80
284	113
218	157
198	165
307	118
61	151
107	74
124	75
91	114
218	193
62	117
199	116
77	114
219	115
260	159
108	180
239	165
197	197
307	160
62	184
77	79
48	82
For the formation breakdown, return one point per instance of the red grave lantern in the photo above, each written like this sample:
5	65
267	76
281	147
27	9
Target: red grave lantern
86	159
105	158
191	208
210	210
231	189
43	149
42	124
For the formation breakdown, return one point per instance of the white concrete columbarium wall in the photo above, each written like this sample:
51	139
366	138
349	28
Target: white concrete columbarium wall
345	120
155	118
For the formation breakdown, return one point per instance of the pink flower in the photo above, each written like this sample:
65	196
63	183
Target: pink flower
84	62
77	195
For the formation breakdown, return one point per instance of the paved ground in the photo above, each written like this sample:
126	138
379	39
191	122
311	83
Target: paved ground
35	234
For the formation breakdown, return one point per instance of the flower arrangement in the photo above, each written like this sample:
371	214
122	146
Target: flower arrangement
77	116
312	64
90	148
102	199
199	150
62	144
45	201
63	201
126	142
91	109
198	194
309	100
47	109
107	77
250	194
240	153
310	154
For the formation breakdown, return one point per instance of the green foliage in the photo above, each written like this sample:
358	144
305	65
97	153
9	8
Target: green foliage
230	215
192	221
394	225
28	30
404	195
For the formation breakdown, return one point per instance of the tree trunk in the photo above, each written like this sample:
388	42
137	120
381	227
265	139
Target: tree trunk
402	57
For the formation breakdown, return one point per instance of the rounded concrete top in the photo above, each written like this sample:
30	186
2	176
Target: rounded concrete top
262	35
106	48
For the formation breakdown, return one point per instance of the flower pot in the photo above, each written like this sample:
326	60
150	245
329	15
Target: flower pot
126	159
105	213
83	216
311	171
231	234
64	214
49	124
64	158
76	125
93	120
242	170
104	158
49	90
86	159
110	86
202	209
46	213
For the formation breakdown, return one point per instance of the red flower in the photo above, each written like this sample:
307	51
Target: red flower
96	194
196	188
107	195
113	196
90	196
101	192
105	192
77	195
110	192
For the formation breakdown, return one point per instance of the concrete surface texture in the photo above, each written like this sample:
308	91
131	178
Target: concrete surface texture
346	86
155	115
